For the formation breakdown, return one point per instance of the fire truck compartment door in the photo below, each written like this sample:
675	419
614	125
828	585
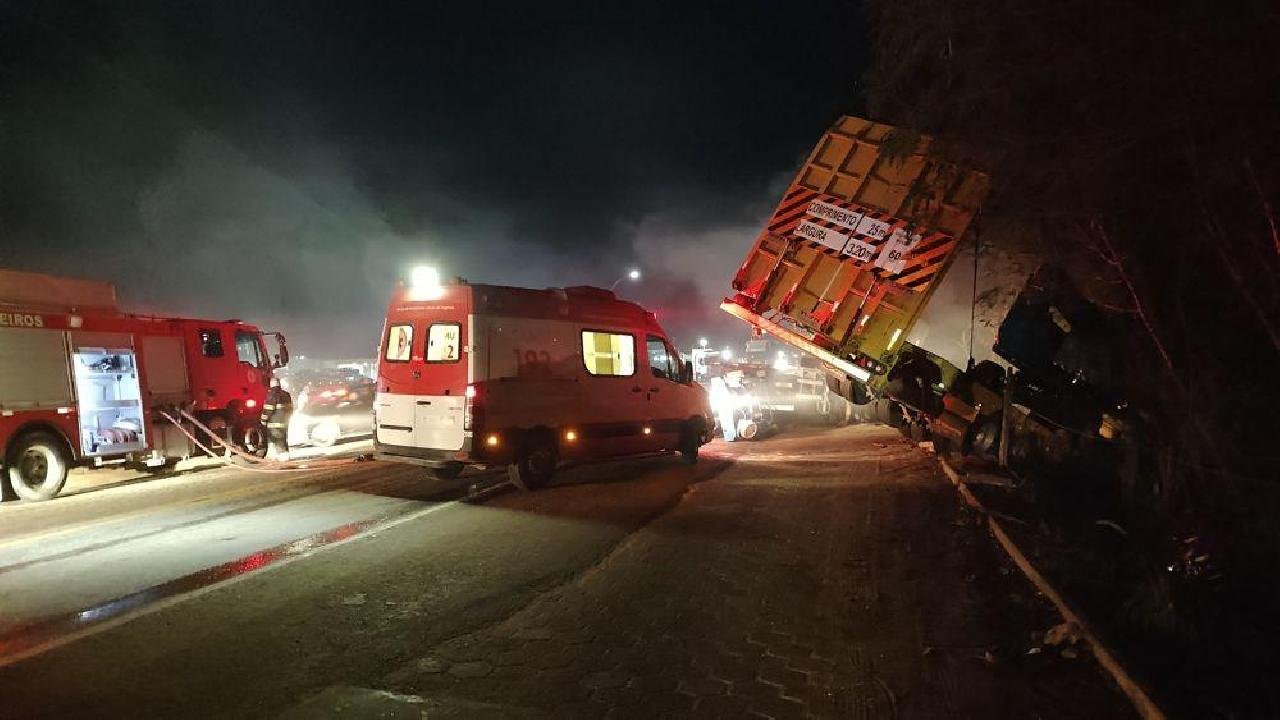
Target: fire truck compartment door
34	369
108	392
166	366
437	421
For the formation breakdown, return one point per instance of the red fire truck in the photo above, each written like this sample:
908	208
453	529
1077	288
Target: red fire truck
492	376
82	382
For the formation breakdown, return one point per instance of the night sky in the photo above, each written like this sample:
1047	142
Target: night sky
286	162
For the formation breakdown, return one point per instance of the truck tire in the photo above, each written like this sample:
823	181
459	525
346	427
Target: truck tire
448	471
984	437
37	466
535	464
219	427
251	437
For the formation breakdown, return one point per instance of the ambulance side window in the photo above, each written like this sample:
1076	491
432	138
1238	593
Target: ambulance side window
607	353
443	342
399	343
211	342
660	360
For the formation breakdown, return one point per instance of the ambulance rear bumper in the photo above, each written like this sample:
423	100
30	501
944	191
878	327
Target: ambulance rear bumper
427	457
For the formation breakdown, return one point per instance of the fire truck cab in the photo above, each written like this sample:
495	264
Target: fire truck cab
501	376
83	383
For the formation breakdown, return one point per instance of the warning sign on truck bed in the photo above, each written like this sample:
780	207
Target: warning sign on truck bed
892	248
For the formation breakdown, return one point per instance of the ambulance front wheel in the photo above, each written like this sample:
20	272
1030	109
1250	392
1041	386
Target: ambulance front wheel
690	443
37	466
535	464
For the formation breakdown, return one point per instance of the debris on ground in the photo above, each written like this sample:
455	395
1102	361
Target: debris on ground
1067	633
356	599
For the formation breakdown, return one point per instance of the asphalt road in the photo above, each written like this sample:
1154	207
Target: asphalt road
827	574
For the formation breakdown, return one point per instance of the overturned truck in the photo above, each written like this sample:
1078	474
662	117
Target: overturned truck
849	261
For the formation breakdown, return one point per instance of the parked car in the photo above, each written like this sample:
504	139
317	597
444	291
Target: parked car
330	408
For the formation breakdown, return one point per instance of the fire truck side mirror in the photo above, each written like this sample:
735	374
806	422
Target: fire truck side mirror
282	357
686	372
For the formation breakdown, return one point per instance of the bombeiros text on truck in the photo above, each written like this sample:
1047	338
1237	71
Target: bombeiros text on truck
83	383
487	375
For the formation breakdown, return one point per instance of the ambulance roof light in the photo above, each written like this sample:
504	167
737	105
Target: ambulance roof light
424	283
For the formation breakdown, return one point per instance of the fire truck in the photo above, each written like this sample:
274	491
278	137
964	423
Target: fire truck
83	383
486	375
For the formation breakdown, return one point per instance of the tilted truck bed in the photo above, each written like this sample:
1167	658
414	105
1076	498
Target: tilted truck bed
863	234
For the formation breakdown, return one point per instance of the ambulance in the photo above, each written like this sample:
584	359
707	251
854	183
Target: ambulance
492	376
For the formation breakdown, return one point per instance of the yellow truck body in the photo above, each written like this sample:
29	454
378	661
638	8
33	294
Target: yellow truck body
862	236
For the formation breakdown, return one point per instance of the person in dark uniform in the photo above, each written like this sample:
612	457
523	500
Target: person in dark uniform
276	411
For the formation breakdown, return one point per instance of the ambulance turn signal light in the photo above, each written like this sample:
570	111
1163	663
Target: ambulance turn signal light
570	435
491	441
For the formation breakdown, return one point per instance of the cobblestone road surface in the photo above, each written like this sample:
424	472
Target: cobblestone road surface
829	575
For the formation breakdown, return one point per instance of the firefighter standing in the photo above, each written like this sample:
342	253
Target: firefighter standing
275	416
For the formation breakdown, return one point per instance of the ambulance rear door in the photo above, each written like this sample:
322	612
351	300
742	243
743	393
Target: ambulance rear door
423	373
440	402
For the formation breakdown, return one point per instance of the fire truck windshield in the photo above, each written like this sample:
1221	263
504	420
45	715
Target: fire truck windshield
248	350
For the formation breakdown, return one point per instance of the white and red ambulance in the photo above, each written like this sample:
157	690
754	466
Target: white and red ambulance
491	376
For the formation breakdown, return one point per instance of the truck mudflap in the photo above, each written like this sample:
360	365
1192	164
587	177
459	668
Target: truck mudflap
795	340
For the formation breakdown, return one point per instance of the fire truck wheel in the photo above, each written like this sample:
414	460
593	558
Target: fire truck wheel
536	463
37	467
251	437
448	471
219	427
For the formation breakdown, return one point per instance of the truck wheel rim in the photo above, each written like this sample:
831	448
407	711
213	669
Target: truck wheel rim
253	439
35	467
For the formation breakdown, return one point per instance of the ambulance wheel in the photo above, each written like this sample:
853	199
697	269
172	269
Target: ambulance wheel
37	467
535	465
448	471
690	443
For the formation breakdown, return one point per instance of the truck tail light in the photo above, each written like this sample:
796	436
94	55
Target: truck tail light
473	411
